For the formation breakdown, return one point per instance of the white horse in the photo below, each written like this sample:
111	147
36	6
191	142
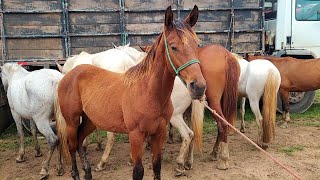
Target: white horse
259	78
181	101
31	97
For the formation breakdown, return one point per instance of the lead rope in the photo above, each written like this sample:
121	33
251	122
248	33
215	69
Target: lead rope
246	138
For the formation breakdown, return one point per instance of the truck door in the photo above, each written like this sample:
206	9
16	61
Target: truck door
305	24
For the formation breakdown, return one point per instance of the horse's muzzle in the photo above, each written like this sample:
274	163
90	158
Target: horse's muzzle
197	89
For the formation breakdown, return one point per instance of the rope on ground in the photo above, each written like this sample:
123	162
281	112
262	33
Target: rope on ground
245	137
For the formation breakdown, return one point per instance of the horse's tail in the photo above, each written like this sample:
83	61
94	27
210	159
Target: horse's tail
61	130
197	123
269	107
230	94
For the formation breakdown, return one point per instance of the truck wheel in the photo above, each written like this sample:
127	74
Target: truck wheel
299	101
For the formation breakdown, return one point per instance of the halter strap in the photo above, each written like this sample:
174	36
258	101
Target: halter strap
177	71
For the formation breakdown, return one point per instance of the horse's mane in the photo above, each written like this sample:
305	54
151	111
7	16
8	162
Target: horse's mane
237	56
143	68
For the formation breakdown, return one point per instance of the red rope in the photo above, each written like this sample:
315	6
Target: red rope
245	137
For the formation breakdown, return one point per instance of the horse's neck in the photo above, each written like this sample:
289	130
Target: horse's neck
161	80
17	74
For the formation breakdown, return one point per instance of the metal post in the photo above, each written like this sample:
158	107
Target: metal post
3	38
261	5
65	21
122	23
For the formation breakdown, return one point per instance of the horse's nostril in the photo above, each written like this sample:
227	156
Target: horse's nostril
192	84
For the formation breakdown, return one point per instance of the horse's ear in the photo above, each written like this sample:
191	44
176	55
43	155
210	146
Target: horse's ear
127	45
168	20
193	16
114	46
59	66
245	56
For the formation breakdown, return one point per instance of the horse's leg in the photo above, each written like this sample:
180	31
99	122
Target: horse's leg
18	122
242	111
44	127
189	157
171	134
110	141
136	139
254	104
33	128
99	140
178	122
85	128
284	94
59	167
157	141
220	150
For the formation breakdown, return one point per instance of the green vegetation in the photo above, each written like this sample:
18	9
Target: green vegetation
291	149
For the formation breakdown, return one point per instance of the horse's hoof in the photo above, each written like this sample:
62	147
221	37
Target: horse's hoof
129	163
44	174
263	146
88	176
38	154
243	130
20	159
59	171
99	147
284	125
179	172
100	167
188	166
222	166
213	156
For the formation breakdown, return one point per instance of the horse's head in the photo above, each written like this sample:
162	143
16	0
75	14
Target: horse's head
181	48
135	55
7	70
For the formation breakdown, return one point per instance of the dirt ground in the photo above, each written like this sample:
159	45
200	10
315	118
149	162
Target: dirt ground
298	147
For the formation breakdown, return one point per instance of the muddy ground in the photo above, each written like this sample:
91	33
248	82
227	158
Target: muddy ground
298	147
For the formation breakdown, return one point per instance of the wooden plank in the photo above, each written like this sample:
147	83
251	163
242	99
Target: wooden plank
148	4
246	3
139	40
35	44
103	41
143	17
204	4
246	25
247	37
32	30
34	54
94	5
212	26
147	28
216	38
246	47
45	19
246	15
95	29
37	5
94	18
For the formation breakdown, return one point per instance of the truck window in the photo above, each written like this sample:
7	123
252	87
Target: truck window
307	10
270	9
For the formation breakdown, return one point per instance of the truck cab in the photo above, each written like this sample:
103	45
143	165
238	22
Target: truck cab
293	29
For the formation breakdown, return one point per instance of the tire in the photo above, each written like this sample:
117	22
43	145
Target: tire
299	102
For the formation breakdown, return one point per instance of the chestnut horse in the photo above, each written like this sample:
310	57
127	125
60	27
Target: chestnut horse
221	71
297	75
115	102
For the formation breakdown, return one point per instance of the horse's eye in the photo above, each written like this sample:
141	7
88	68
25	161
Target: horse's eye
174	48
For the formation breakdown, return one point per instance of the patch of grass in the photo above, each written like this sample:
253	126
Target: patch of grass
122	138
291	149
9	140
209	125
311	124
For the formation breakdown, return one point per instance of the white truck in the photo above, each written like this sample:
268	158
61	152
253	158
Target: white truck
293	29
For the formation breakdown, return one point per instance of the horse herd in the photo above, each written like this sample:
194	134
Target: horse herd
123	90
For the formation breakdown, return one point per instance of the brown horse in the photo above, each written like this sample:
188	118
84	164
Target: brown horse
296	75
221	71
115	102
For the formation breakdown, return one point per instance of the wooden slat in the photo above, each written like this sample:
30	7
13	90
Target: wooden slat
246	47
246	3
212	26
95	29
247	37
34	54
37	5
217	38
137	40
46	19
149	27
94	4
205	4
246	15
34	44
148	4
143	17
94	18
32	30
105	41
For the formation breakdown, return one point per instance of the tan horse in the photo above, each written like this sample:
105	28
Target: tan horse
296	75
221	71
115	102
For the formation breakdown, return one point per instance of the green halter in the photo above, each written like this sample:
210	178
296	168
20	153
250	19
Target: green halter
177	71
